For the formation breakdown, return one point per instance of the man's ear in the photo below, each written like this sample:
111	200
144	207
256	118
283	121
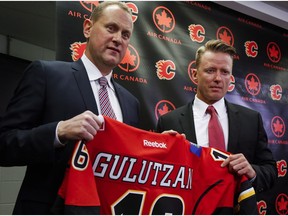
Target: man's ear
87	25
195	75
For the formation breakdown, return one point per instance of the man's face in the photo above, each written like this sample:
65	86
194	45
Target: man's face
108	37
213	76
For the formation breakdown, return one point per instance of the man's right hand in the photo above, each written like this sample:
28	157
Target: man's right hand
81	127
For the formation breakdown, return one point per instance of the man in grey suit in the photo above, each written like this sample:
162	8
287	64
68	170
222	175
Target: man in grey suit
244	134
57	103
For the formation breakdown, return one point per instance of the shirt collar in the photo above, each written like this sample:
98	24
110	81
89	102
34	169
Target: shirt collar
201	107
93	72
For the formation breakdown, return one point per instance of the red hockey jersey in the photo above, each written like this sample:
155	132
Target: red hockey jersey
125	170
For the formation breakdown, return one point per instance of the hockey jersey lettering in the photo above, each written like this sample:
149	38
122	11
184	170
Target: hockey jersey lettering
125	170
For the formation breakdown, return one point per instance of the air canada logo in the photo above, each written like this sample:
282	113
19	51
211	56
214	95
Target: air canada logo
282	168
225	34
262	207
163	19
273	52
197	33
163	107
281	204
131	60
77	49
278	126
232	84
165	69
191	66
89	5
276	92
251	49
252	84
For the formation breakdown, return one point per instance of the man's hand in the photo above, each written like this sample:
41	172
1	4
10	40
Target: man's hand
81	127
173	133
237	163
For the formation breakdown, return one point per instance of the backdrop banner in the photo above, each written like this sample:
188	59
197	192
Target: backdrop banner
159	60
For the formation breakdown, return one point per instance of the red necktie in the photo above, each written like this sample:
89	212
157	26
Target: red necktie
105	105
215	132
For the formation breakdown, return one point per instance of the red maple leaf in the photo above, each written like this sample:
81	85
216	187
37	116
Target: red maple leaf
253	85
128	59
225	37
282	204
164	110
273	52
163	19
278	127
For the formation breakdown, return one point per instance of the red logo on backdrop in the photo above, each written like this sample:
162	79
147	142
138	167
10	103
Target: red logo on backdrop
191	66
282	168
77	49
276	92
196	32
251	48
89	5
164	69
273	52
281	204
252	84
225	34
278	126
262	207
163	107
163	19
134	10
232	84
131	60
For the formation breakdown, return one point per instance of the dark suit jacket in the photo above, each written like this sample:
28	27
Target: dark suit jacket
246	135
48	92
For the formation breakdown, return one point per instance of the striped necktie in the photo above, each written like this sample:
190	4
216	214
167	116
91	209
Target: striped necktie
105	105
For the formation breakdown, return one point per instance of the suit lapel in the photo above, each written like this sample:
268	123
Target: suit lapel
233	118
187	122
84	86
121	99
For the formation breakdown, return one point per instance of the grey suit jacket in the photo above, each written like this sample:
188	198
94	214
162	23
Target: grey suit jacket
246	135
48	93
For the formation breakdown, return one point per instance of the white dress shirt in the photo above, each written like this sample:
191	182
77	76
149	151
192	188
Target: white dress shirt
201	120
94	74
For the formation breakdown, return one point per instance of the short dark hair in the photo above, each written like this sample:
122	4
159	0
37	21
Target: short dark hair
98	11
214	46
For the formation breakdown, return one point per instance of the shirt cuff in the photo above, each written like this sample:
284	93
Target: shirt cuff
57	143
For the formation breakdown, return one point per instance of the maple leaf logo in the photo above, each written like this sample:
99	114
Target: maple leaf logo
89	5
163	69
131	60
197	33
251	48
252	84
163	19
77	49
224	34
273	52
163	107
282	204
276	92
278	126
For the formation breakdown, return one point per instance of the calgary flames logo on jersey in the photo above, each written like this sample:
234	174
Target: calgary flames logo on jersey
197	33
77	49
276	92
251	48
164	68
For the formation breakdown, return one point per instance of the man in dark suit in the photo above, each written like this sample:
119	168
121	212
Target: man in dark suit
244	134
57	103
